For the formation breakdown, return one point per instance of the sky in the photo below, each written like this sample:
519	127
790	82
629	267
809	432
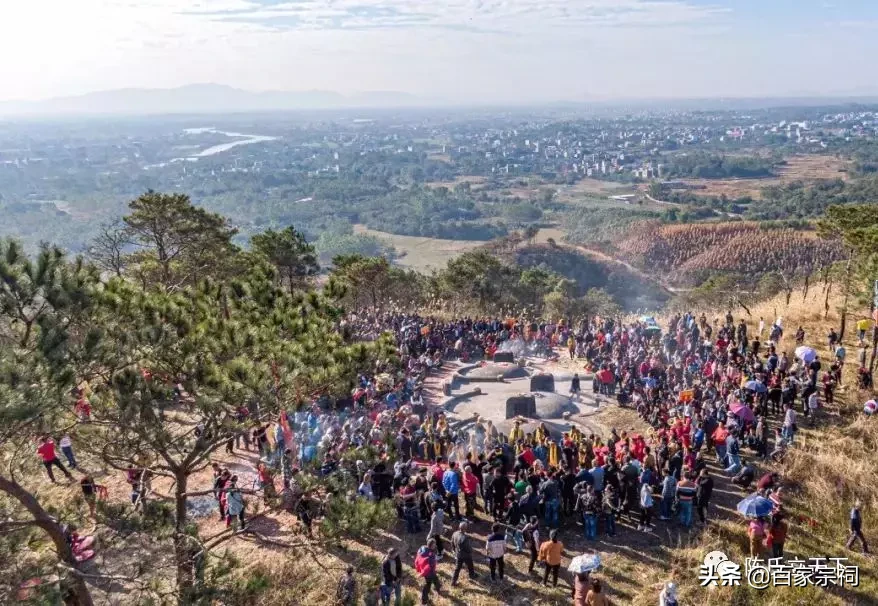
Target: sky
517	51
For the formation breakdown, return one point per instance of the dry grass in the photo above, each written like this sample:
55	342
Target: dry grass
473	180
422	254
427	254
798	168
597	187
832	464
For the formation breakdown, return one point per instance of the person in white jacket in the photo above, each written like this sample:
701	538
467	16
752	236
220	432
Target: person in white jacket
668	595
495	547
365	488
645	507
437	527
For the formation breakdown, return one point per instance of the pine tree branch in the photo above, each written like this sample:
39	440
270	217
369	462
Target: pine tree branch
12	526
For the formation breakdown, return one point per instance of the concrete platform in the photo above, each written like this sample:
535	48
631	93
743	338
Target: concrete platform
490	403
492	372
552	405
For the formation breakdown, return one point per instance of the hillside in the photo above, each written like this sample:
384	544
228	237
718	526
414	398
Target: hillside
161	375
687	254
631	290
821	478
276	562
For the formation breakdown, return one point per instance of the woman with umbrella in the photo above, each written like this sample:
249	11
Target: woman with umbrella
594	596
806	354
582	566
756	508
743	412
756	531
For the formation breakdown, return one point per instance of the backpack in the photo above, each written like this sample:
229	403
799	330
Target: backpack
529	537
422	564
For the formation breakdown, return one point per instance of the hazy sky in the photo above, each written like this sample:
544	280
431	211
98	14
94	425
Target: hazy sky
456	50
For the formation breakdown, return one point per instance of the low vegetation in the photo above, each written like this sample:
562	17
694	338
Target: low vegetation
705	165
689	254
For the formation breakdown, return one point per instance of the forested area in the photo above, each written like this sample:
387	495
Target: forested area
788	201
629	290
595	225
704	165
437	213
801	200
172	327
172	333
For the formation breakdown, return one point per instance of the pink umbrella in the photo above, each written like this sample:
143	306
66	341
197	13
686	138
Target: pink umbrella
742	412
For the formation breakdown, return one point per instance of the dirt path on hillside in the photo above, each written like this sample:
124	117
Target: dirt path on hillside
602	256
678	205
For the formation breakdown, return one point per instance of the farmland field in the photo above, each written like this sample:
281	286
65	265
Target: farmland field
687	254
594	193
473	180
426	254
598	187
422	254
797	168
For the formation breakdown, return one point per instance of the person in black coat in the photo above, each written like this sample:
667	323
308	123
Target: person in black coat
856	528
500	488
404	445
675	465
391	573
529	503
568	496
382	482
575	386
488	491
703	492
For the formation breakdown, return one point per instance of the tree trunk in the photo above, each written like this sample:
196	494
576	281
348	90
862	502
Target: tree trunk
826	300
28	327
80	593
847	292
182	544
874	348
805	288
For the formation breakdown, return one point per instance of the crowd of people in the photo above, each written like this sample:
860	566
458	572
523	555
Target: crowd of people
710	391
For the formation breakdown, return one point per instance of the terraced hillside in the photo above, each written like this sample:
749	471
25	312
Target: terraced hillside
687	254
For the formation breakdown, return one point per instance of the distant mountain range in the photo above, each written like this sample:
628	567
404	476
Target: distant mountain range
202	98
221	99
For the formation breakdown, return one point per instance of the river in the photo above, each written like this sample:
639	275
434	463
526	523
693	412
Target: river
242	139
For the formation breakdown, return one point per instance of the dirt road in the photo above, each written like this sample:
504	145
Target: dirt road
602	256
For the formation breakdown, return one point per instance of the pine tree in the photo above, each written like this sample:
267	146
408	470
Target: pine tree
44	332
175	243
224	345
294	258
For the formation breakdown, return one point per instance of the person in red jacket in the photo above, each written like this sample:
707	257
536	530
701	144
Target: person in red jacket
470	490
425	566
527	457
82	409
437	471
46	450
